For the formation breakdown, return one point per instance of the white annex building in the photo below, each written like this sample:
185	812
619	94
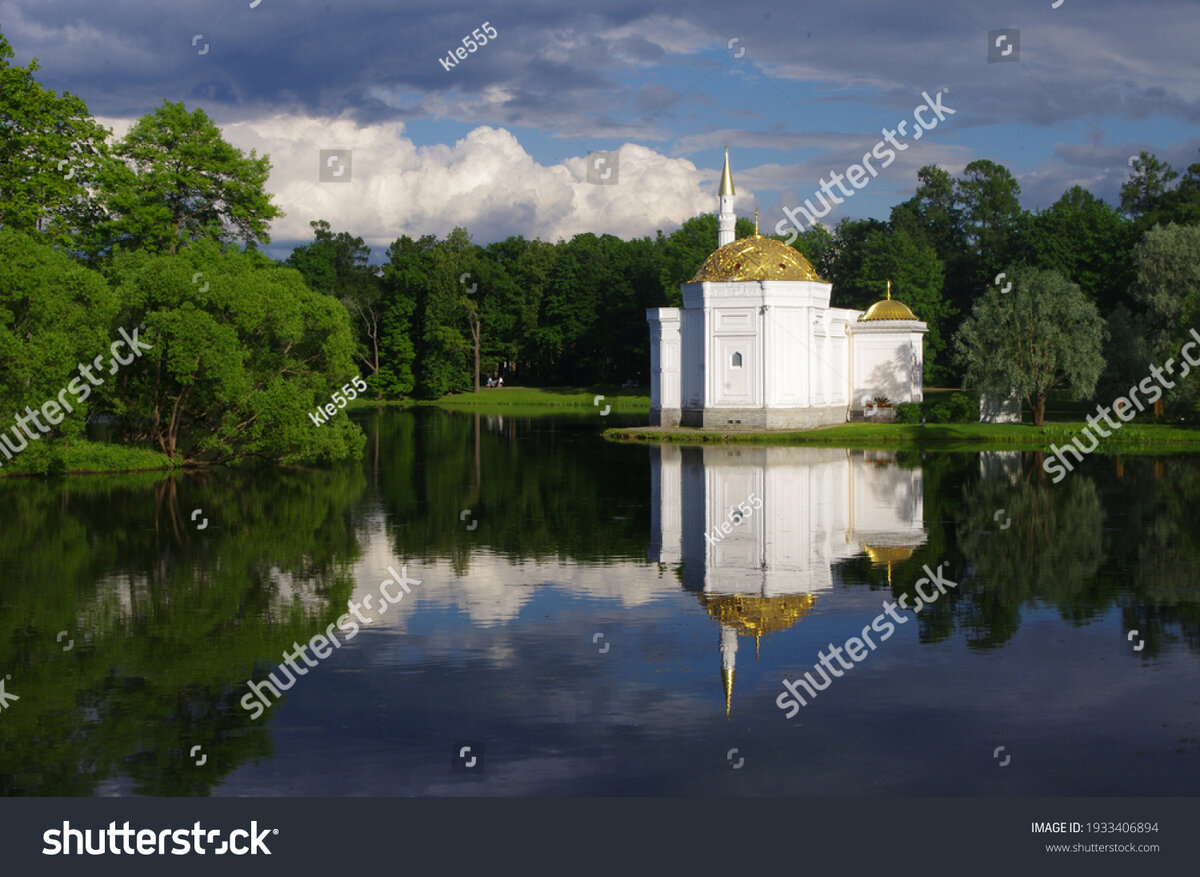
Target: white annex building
756	343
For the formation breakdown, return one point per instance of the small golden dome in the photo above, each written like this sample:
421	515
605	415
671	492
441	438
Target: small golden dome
887	309
755	258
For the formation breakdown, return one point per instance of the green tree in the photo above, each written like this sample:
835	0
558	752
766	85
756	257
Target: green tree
1166	292
1088	242
339	265
242	351
1042	334
51	152
1144	194
54	315
992	221
180	182
917	277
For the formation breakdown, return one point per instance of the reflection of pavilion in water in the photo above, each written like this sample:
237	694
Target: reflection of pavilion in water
762	572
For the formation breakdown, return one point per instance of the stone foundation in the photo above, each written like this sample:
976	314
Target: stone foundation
668	417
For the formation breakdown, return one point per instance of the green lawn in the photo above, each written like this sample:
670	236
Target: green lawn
540	399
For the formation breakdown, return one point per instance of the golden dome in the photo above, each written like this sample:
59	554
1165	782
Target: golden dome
887	309
756	258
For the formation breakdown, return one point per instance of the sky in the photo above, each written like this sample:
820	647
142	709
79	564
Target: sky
500	141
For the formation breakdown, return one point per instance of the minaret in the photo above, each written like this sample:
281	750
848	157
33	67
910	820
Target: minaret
726	217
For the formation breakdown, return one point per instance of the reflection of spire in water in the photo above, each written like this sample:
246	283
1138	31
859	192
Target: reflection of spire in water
750	615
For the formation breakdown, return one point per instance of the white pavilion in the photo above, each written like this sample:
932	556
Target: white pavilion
756	344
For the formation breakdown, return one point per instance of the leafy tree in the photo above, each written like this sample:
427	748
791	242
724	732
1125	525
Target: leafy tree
181	182
54	315
934	212
237	362
852	286
427	274
51	151
917	276
1088	242
1042	334
1144	194
1166	290
992	221
1167	284
339	265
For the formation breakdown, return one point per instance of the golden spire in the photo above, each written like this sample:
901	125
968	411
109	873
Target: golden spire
727	678
726	177
756	220
889	290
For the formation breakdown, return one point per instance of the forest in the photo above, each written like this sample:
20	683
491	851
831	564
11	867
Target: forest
165	229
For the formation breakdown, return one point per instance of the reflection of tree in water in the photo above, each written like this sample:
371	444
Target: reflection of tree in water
1159	546
538	489
167	622
1050	552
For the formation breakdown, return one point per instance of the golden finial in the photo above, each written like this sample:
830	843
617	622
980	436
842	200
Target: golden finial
756	220
727	679
726	177
889	290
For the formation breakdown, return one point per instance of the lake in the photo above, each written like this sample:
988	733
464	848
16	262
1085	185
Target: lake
540	612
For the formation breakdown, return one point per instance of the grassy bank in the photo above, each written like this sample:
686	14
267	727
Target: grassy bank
543	400
81	457
1133	438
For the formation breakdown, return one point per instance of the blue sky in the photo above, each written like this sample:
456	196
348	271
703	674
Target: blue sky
499	143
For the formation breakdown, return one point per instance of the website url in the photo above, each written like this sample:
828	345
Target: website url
1102	848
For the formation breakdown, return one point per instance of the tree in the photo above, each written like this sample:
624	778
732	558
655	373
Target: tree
238	362
1143	194
339	265
1167	284
54	315
180	182
992	219
917	277
1042	334
51	151
1088	242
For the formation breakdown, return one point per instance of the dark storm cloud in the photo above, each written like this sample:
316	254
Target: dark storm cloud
560	63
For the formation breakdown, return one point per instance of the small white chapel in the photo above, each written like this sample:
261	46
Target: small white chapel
756	344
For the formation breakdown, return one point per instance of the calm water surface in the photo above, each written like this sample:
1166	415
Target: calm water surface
586	625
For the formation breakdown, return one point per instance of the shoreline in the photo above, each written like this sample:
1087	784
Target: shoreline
1139	439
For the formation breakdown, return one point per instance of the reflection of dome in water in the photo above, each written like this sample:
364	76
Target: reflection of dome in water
756	258
753	615
886	555
750	615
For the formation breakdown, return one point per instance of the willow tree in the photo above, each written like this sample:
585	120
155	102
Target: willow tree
1041	335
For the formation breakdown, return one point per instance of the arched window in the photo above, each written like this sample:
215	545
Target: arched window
737	360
